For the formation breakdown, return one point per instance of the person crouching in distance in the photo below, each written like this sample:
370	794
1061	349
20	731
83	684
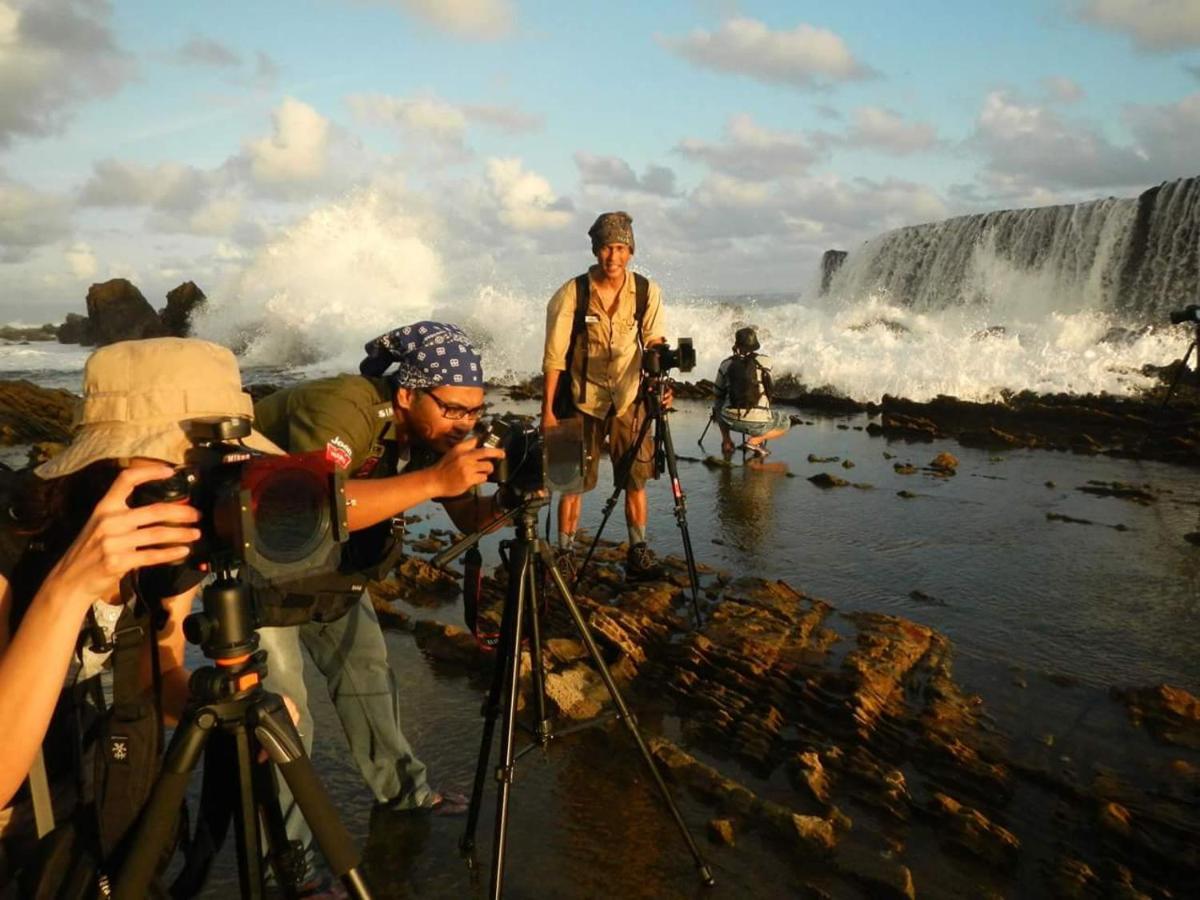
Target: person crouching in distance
743	398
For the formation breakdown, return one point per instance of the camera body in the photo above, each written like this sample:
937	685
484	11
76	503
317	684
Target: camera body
535	459
661	358
283	517
1190	313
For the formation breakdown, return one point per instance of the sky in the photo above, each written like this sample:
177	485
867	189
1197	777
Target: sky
469	144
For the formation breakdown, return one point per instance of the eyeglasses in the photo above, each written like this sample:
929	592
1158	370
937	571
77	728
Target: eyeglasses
453	410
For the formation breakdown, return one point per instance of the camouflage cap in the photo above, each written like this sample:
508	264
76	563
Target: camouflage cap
612	228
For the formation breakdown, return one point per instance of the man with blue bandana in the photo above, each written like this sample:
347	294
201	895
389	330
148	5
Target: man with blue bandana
399	431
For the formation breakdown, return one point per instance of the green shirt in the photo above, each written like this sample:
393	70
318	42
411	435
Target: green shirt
349	417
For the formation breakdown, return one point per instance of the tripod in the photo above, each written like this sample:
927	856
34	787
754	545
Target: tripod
229	696
531	557
653	394
1194	345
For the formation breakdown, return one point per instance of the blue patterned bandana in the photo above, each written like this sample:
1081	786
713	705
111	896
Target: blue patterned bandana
427	354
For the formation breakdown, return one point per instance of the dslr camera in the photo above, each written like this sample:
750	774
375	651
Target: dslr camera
276	519
661	358
534	459
1190	313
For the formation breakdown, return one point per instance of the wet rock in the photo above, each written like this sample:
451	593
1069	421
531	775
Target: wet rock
31	414
1140	494
826	480
881	875
992	331
417	582
182	303
904	469
26	335
944	462
831	262
1171	714
451	644
847	464
428	544
812	835
887	324
813	458
969	830
720	831
76	329
807	773
577	692
1074	878
927	599
907	495
118	312
1193	537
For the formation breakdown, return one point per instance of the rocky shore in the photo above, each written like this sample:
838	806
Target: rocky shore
846	740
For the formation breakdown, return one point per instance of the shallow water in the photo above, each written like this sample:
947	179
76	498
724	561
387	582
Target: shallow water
1044	615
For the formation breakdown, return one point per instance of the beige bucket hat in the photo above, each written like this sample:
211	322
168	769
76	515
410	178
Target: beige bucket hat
138	396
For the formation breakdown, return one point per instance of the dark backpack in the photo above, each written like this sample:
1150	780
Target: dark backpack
564	405
746	388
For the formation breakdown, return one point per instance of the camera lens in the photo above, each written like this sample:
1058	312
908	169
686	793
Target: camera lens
290	511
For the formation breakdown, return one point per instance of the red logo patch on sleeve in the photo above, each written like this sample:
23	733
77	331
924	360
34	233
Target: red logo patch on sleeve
339	453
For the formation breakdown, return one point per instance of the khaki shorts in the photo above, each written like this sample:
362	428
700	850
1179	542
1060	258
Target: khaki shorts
621	432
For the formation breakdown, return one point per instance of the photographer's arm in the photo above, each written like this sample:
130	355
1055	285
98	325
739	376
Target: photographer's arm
34	661
549	420
372	500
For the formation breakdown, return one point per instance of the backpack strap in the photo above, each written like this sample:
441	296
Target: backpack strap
583	293
765	377
641	291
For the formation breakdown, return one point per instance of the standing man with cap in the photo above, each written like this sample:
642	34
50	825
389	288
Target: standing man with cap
401	438
597	326
743	397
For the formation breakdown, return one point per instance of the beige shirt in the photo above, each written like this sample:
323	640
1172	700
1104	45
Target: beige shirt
614	357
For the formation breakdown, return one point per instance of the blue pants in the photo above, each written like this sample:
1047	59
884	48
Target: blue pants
352	656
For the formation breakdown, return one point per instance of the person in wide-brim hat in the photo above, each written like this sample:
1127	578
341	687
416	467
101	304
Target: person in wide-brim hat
73	541
138	397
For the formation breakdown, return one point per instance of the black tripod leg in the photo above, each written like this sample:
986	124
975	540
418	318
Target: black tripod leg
681	515
623	711
156	826
286	860
520	564
274	730
491	710
542	727
621	478
1195	345
245	823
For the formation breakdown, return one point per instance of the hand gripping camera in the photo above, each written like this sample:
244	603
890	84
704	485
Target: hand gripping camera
661	358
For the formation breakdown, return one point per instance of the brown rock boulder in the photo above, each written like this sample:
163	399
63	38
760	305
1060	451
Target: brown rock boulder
118	312
176	316
76	329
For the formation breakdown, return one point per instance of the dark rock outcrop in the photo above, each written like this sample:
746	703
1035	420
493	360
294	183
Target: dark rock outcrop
182	302
118	312
76	329
831	261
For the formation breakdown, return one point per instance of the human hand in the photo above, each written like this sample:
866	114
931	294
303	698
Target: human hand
116	539
549	420
668	398
464	466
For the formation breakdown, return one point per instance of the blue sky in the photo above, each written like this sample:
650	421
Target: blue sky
168	141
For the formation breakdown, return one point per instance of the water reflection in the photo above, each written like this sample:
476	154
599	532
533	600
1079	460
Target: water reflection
745	498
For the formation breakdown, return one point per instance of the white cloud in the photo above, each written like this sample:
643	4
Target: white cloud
204	51
803	57
1026	146
54	54
429	117
81	260
476	19
524	200
432	118
882	128
1153	25
296	151
1169	135
614	172
751	151
1062	89
508	119
29	219
167	186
